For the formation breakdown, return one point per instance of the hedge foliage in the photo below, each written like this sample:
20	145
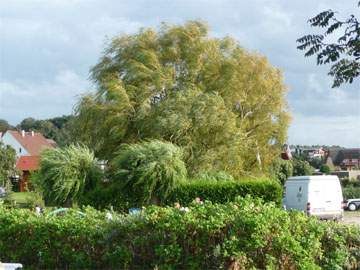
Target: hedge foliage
244	234
351	188
351	192
216	191
226	191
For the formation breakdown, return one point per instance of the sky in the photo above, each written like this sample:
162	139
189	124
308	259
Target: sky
48	46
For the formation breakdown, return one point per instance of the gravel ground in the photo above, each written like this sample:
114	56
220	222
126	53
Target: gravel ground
352	217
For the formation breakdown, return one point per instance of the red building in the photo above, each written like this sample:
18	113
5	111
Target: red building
28	146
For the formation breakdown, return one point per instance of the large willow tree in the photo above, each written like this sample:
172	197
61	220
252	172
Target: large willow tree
224	105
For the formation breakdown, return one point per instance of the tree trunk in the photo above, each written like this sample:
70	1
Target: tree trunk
68	203
155	200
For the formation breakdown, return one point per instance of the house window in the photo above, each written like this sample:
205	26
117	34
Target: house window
20	150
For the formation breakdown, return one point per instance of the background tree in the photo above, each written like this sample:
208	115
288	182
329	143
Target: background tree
301	167
325	169
58	128
7	164
343	54
316	162
222	104
66	173
4	125
149	171
281	169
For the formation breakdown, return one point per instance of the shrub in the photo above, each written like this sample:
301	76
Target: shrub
226	191
325	169
281	170
148	170
244	234
216	191
301	167
351	192
105	196
346	182
65	173
214	176
7	162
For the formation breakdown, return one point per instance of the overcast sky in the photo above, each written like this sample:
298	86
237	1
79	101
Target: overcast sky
48	46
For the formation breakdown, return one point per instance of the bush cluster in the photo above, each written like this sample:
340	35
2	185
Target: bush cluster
244	234
351	188
216	191
346	182
227	190
106	195
351	192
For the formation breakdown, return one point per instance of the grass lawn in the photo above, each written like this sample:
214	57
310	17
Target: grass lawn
21	197
352	213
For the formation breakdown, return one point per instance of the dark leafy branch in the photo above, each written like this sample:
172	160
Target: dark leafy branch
344	54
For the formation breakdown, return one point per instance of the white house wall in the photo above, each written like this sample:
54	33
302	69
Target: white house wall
9	139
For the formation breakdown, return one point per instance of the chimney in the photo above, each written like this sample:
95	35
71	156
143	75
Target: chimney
23	133
32	133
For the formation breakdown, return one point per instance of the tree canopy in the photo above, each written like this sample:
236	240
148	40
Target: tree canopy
4	125
225	106
57	128
301	167
343	53
281	169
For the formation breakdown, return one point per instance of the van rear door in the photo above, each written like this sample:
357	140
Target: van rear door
317	197
325	196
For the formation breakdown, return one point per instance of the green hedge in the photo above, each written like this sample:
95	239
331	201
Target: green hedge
216	191
103	196
244	234
226	191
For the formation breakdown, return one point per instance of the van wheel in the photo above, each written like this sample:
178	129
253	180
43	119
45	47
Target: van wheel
352	207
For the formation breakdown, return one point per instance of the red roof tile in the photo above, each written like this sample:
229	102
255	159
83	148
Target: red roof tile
34	142
28	163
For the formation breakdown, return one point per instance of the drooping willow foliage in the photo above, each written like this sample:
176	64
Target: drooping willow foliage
149	170
225	106
65	173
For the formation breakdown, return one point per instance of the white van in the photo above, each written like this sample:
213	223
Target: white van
318	195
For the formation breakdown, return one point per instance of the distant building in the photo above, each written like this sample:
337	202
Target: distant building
28	146
309	152
351	175
344	158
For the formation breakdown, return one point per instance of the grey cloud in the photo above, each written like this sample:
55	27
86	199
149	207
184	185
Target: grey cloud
324	130
40	40
20	99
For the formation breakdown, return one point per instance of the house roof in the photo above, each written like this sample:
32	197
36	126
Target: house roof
28	163
33	142
338	155
52	142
